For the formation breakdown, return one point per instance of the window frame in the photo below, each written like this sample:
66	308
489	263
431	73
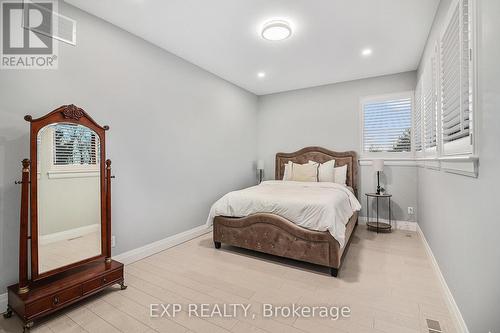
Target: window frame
384	97
466	147
435	57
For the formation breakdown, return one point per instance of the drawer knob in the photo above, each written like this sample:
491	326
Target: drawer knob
56	300
104	280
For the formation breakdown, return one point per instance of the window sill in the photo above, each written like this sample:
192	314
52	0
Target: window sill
472	158
466	165
57	174
401	161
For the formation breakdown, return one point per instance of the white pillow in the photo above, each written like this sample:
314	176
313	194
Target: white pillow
326	171
305	172
287	174
340	175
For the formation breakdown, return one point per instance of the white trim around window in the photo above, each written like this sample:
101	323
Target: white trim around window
73	173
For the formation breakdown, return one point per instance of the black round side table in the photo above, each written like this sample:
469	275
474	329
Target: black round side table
376	225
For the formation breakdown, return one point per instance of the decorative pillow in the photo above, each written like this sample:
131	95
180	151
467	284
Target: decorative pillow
340	175
325	171
287	174
305	172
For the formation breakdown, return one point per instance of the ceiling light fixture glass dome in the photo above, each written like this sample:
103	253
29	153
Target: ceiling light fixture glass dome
276	30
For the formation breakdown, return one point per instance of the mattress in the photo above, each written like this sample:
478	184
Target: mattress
319	206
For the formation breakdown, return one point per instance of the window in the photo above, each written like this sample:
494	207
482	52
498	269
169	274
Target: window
430	105
75	145
445	95
456	83
387	123
417	121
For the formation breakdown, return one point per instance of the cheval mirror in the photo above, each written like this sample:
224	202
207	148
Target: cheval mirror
65	229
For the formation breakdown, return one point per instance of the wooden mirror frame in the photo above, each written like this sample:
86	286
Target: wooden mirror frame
54	290
75	115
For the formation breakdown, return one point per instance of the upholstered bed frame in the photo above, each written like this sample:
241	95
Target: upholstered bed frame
272	234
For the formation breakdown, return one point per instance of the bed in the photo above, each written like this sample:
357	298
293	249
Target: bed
273	234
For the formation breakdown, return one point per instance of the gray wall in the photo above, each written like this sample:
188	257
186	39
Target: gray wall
459	215
168	121
328	116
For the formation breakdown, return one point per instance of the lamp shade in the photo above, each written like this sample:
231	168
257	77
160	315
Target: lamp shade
378	165
260	165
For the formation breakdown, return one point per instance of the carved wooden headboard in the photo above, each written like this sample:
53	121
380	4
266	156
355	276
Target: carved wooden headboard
321	155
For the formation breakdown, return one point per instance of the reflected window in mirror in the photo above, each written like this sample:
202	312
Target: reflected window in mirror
69	198
75	146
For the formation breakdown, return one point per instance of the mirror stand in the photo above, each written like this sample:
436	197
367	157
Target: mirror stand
65	217
23	234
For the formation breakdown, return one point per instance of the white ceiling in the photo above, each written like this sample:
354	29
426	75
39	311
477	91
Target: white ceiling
223	37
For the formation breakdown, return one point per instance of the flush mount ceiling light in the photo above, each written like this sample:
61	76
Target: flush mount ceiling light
261	74
276	30
366	52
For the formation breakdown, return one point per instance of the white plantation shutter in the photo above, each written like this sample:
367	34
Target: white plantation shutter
417	122
75	145
455	84
430	104
387	125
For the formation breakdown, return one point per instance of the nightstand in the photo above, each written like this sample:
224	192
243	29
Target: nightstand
376	225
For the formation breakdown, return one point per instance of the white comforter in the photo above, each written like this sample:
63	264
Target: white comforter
312	205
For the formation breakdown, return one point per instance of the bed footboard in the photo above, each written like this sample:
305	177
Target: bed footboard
272	234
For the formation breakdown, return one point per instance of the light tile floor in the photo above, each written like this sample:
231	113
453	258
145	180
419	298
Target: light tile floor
387	281
67	251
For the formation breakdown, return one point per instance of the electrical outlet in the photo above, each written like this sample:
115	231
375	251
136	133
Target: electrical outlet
411	210
113	241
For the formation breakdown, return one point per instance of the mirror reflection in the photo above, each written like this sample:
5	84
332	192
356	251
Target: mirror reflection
68	179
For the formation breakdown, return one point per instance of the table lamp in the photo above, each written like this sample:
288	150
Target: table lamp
378	165
260	168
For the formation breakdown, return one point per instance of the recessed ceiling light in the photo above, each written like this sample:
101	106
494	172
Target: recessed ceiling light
261	74
276	30
366	52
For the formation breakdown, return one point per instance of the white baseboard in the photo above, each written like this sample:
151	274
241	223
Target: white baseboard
3	302
450	301
161	245
69	234
397	224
